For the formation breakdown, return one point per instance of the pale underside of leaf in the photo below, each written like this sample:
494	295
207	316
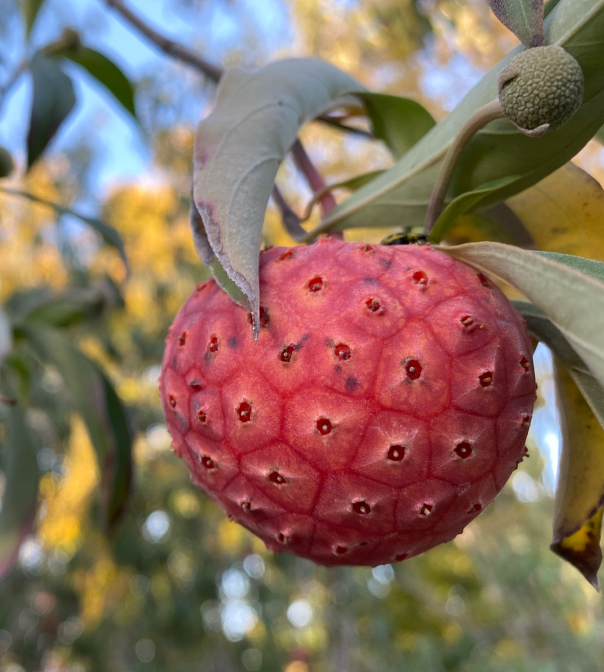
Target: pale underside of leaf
239	147
523	17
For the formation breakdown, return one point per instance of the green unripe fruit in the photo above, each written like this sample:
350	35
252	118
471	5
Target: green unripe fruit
541	88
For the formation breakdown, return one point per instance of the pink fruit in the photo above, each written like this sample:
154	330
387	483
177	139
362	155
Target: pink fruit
385	404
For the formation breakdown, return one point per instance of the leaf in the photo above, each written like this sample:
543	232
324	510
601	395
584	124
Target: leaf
580	487
99	406
6	337
30	9
399	122
499	150
572	299
7	164
107	232
458	206
523	17
599	136
104	71
53	99
564	213
239	147
19	503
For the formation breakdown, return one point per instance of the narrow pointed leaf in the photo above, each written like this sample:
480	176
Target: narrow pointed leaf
523	17
571	298
107	232
19	504
564	213
106	72
53	99
30	9
239	147
97	403
499	150
399	122
580	487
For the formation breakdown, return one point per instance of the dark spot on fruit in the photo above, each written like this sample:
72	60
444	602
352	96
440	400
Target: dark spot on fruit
213	344
426	509
401	556
282	538
172	401
526	421
370	281
463	450
276	477
246	505
324	426
195	385
362	508
396	453
413	369
364	543
484	281
486	378
524	363
315	284
351	384
182	339
264	317
286	354
233	342
207	462
476	508
337	368
286	255
305	337
385	263
366	248
244	412
420	278
201	416
340	550
373	305
467	322
342	351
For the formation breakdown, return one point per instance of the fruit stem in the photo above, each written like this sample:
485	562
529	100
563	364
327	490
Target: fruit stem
315	182
487	113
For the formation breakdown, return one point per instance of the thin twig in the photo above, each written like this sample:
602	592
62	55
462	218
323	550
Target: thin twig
210	70
291	220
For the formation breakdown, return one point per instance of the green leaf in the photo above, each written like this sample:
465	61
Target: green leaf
104	71
30	10
572	299
6	336
53	99
107	232
499	150
399	122
580	487
7	165
460	205
587	266
238	149
20	499
599	136
523	17
99	406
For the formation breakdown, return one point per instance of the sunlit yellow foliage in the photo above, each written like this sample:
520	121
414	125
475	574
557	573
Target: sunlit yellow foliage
65	502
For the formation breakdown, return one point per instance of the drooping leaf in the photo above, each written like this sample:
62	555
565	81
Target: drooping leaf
104	71
499	150
580	487
460	205
7	164
19	503
399	122
30	9
99	406
572	299
564	213
107	232
523	17
239	147
53	99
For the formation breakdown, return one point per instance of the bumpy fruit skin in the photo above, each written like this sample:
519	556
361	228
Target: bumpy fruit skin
548	88
385	404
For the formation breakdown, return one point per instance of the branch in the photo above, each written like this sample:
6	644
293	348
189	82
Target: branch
179	51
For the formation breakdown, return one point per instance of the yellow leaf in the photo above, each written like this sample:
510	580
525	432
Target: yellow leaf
564	213
580	489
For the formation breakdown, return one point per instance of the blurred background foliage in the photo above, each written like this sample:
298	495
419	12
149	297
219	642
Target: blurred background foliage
175	585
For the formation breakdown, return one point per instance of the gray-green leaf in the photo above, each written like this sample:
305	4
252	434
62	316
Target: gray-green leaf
6	336
238	150
523	17
30	10
53	99
7	165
